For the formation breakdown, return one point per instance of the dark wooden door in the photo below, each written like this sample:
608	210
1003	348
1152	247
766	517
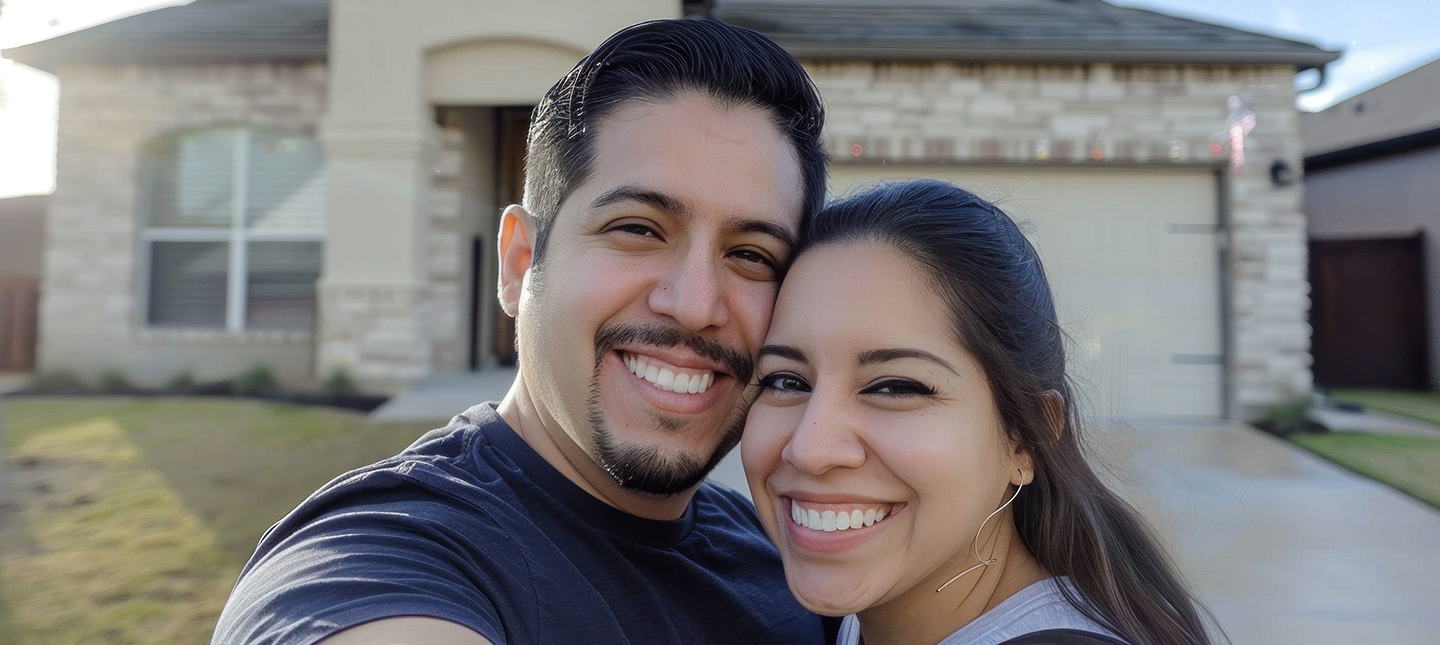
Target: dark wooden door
514	124
19	299
1367	313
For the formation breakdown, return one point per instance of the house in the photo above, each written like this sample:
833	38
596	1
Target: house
22	237
316	185
1371	164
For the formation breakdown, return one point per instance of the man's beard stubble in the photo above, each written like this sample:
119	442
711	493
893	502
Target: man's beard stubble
645	468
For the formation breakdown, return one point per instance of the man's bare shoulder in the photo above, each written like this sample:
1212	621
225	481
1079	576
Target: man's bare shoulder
407	630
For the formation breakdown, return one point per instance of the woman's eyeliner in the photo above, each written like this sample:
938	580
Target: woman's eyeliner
785	382
900	387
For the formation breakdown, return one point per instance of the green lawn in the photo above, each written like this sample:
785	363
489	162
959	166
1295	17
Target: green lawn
1409	463
137	514
1424	406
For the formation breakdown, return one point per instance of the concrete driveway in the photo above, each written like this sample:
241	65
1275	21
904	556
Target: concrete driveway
1282	545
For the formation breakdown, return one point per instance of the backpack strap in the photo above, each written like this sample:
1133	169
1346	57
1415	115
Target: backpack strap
1063	637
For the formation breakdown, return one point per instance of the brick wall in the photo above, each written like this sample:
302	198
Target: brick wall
1150	114
90	319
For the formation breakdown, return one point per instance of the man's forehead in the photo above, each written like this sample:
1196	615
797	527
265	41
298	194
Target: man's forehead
690	155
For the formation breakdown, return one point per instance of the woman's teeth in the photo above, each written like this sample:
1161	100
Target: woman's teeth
668	377
830	521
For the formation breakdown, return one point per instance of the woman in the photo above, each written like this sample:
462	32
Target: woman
913	453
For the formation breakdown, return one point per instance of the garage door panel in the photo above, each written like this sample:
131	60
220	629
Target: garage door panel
1132	257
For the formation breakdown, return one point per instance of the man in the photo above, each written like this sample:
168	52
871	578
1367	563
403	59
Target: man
666	179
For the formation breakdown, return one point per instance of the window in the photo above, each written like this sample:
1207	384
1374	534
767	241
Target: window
235	219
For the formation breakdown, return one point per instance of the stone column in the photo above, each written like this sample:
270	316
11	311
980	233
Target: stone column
375	275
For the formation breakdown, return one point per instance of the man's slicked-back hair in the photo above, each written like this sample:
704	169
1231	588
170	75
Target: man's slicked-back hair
734	66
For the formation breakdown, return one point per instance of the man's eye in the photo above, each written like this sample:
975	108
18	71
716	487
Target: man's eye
782	382
634	229
899	387
756	257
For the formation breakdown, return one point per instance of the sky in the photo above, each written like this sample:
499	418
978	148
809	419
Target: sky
1381	39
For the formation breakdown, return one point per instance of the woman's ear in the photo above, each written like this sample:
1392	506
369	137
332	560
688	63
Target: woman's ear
517	245
1052	406
1023	462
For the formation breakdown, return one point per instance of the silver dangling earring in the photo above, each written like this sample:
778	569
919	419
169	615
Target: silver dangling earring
976	544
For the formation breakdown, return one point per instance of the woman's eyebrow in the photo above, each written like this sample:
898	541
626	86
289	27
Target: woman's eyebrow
872	356
784	351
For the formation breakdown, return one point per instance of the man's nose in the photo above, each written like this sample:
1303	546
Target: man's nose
826	438
693	293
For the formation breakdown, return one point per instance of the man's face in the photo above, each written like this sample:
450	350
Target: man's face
638	331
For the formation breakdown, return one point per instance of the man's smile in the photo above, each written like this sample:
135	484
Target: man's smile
667	377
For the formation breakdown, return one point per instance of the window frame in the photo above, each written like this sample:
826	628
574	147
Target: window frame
237	236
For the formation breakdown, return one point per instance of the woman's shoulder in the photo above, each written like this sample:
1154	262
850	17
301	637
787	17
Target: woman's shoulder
1042	606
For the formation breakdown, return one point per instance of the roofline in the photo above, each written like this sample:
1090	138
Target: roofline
1374	150
179	53
941	50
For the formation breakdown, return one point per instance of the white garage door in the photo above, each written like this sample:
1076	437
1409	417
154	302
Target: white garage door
1132	257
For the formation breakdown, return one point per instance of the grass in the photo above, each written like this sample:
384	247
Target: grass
1408	463
1422	406
137	514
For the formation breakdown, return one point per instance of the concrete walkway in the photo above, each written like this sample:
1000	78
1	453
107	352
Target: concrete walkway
440	397
1284	547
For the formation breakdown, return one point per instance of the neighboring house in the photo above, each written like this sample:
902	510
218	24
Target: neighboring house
1372	195
22	240
191	138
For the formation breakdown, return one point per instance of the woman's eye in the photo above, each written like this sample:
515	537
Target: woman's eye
781	382
900	387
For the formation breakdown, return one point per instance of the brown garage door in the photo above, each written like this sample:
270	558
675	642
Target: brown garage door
1367	313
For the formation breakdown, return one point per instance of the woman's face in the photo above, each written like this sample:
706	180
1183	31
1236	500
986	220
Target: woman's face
872	418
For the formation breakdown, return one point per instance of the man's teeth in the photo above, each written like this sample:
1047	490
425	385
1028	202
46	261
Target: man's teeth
669	378
831	521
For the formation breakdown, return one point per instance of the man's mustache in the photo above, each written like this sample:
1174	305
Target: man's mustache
738	364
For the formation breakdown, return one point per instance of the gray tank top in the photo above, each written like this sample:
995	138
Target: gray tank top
1037	607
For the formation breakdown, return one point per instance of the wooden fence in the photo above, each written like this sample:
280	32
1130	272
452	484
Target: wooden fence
19	315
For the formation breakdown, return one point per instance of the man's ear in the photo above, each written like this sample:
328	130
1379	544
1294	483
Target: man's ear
517	245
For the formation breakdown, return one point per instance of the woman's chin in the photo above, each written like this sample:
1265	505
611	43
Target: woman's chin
831	600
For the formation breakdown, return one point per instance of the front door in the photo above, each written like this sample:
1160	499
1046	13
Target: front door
1367	313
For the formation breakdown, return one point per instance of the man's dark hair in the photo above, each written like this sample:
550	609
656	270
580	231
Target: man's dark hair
657	60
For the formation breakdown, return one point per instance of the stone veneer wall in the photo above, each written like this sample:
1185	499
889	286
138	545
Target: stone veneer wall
90	316
1151	114
449	251
388	336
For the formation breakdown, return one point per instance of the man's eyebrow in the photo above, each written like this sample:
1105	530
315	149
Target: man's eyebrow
873	356
784	351
764	228
650	198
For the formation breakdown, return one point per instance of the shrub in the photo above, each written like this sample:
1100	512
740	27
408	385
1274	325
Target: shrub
339	383
1288	416
56	381
113	381
182	383
256	381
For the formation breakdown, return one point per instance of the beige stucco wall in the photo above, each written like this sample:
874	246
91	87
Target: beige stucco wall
1148	114
90	316
391	64
22	235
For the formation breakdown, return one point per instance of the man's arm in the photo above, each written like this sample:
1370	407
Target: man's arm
407	630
